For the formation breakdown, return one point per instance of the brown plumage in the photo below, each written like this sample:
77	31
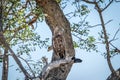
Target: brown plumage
58	46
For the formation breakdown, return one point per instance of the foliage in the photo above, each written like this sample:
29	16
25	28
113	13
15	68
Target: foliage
31	44
58	1
81	31
80	28
18	19
81	9
34	67
18	27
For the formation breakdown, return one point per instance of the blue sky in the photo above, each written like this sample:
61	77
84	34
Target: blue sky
94	65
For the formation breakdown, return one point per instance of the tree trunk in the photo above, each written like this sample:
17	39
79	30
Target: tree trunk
60	28
115	76
1	15
5	65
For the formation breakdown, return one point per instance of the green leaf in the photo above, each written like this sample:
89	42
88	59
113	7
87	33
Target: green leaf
75	44
58	1
91	39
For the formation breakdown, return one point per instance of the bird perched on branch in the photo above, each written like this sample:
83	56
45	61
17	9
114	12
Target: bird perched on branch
58	43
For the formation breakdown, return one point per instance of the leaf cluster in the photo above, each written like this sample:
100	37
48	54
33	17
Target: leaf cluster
18	19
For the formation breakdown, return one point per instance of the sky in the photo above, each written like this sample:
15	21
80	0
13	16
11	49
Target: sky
94	65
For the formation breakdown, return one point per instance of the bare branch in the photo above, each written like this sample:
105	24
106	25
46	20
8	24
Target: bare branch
108	22
116	49
100	24
114	37
117	0
90	2
34	19
89	26
78	37
28	66
116	33
107	5
112	45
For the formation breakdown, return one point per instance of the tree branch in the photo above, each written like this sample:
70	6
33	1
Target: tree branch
115	35
116	49
1	15
55	18
100	24
55	64
117	0
34	19
5	65
106	40
6	45
90	2
107	5
28	65
52	65
104	31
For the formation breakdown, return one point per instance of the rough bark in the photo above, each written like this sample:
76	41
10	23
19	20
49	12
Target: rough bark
57	21
115	76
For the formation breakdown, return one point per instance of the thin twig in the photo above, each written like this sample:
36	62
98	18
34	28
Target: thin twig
112	45
114	37
116	33
78	37
107	5
27	65
108	21
100	24
89	26
117	0
90	2
116	49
